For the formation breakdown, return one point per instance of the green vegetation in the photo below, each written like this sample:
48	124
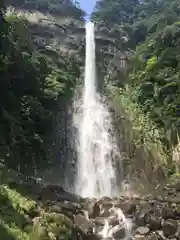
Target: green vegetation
26	213
147	34
21	219
13	214
145	154
33	83
50	226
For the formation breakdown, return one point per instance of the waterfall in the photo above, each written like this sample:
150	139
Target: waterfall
96	145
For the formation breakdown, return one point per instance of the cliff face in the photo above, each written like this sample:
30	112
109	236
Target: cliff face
57	34
52	34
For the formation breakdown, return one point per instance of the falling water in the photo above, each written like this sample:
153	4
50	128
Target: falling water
123	223
96	175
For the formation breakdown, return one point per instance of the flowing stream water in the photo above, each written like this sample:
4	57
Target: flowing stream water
96	145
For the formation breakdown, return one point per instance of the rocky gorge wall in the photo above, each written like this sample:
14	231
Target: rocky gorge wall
58	38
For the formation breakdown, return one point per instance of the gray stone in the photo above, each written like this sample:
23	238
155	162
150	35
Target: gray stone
139	237
169	228
94	210
154	222
178	233
141	217
161	235
56	208
120	233
99	221
168	212
142	230
113	221
91	237
129	207
153	236
108	238
106	204
105	213
82	223
177	186
177	211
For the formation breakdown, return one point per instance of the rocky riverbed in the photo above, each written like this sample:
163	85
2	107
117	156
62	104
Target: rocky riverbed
145	218
58	214
135	217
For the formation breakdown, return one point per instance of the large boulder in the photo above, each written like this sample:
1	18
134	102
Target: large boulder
154	222
141	216
86	226
119	233
169	227
128	206
143	230
93	209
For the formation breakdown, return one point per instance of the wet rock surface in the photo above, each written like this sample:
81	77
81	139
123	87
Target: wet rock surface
141	217
136	218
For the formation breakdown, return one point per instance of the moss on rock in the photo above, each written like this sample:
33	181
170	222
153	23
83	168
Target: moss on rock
22	218
50	226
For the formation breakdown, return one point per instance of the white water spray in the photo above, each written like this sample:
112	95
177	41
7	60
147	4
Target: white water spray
96	175
124	224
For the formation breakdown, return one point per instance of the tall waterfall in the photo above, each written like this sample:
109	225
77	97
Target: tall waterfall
95	146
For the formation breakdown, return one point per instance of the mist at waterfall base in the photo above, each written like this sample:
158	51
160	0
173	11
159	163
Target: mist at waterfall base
96	145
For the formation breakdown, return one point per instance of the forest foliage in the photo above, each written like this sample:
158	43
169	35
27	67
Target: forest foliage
153	31
152	71
31	85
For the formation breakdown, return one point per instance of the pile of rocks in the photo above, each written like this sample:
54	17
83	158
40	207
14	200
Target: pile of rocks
138	218
150	218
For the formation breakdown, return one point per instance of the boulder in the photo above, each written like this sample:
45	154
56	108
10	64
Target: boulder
154	222
177	186
141	216
142	230
83	224
168	212
106	203
169	227
56	208
70	208
99	221
153	236
178	233
93	210
113	221
160	235
128	207
120	233
105	213
139	237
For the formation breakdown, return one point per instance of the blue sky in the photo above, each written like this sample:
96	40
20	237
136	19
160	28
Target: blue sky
87	5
